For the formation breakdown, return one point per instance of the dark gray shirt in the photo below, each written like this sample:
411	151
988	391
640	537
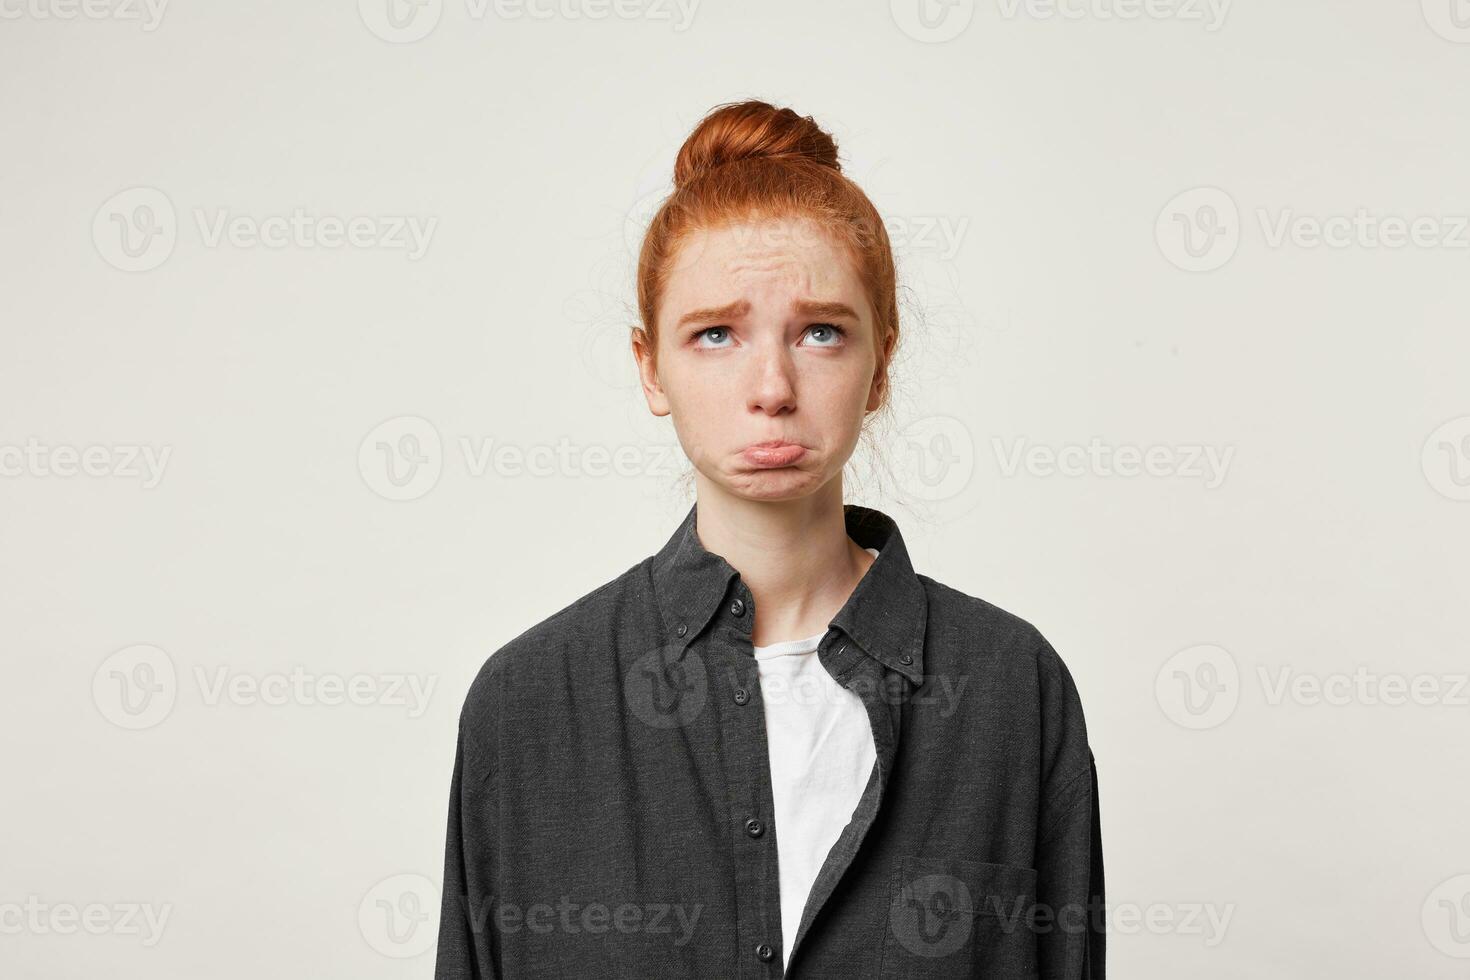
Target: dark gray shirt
611	812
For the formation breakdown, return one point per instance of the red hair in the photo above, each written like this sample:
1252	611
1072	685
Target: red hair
750	160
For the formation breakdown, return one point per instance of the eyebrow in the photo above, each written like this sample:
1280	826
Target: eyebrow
831	310
739	308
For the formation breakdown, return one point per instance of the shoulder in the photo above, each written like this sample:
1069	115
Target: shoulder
987	627
975	628
1020	673
545	649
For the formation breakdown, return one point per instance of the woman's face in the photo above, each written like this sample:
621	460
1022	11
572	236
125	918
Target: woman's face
765	335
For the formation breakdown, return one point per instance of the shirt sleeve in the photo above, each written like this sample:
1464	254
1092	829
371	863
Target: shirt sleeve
1071	927
466	949
1071	940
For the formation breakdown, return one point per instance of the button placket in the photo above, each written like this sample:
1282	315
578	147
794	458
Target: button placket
747	767
882	721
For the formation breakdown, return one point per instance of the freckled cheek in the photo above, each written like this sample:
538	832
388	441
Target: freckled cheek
837	387
709	403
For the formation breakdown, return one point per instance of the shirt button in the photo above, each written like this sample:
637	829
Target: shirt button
905	660
754	827
742	696
765	952
737	607
681	630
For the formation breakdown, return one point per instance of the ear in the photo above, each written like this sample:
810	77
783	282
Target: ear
643	353
880	373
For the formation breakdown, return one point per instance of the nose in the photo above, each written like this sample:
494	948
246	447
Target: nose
772	384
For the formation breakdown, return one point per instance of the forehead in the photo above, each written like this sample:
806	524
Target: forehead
778	258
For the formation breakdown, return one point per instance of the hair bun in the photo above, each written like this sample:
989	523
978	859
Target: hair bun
751	130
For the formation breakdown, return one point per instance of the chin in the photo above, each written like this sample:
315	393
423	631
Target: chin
786	483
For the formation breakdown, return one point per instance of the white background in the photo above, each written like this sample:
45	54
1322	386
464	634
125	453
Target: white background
1063	308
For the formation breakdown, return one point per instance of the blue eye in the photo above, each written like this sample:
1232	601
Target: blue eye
723	333
825	335
833	334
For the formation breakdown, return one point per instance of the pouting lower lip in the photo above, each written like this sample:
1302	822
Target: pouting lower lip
780	455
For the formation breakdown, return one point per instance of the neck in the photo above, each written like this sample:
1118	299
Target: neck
793	555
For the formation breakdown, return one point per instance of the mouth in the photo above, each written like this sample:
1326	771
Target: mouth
773	453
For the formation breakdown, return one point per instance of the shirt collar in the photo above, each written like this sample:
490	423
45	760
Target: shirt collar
885	615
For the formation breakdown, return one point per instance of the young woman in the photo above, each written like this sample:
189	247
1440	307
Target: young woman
772	746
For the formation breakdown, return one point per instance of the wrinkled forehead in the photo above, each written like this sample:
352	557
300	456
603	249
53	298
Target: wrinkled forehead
774	260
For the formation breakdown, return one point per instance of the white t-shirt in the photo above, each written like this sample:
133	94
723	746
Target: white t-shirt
822	752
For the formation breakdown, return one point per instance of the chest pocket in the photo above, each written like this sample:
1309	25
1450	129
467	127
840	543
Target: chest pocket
953	918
